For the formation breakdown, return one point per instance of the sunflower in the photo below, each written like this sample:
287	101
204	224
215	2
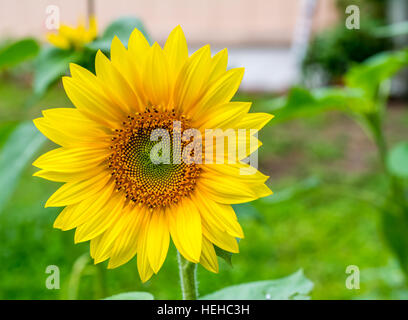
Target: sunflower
114	194
74	37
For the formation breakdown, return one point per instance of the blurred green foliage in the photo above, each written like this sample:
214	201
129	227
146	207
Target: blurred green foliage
15	52
364	98
295	286
334	51
397	161
393	30
136	295
19	149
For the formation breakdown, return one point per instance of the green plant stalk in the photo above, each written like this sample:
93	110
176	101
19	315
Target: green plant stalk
396	198
188	280
397	191
375	125
75	277
100	281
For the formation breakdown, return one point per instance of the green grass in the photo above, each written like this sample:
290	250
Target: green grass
322	230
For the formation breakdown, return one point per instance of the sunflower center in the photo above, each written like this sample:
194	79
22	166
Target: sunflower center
141	174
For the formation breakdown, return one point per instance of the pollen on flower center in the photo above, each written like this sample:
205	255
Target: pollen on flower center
139	177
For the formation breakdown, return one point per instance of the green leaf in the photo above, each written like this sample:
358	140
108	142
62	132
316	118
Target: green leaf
17	52
225	255
78	269
360	96
17	152
6	128
395	226
392	30
295	286
397	160
135	295
248	211
292	192
302	102
50	65
122	28
372	72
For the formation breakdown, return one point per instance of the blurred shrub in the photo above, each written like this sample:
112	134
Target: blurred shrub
372	8
333	52
364	97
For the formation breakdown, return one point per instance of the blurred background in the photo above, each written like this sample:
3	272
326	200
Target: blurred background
325	169
257	33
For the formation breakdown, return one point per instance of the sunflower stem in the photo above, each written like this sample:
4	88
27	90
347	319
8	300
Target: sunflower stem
187	278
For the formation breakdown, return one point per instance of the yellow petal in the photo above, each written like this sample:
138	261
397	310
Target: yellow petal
59	222
77	36
111	234
255	121
235	171
93	29
101	252
122	61
66	177
68	127
70	115
231	191
138	47
52	133
125	244
101	220
208	257
87	209
218	65
67	32
220	238
58	41
224	116
158	239
94	244
246	143
219	215
185	229
92	102
143	265
176	51
223	89
115	85
192	80
71	159
74	192
156	77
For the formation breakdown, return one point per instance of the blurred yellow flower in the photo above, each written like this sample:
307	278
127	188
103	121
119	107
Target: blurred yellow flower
114	194
74	37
